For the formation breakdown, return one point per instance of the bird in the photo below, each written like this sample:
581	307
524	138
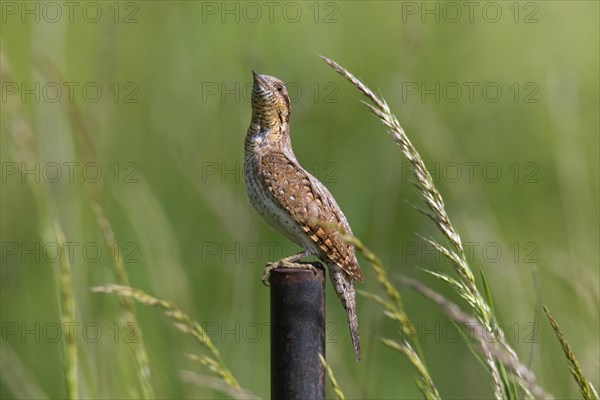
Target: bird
293	201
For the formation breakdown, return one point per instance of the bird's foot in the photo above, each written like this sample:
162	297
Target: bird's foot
284	264
265	276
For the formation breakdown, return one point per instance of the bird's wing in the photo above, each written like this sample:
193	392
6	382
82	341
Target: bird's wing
312	206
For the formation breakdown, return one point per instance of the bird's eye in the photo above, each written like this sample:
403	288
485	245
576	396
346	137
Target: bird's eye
280	88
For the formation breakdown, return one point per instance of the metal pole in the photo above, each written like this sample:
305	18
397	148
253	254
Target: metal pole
297	333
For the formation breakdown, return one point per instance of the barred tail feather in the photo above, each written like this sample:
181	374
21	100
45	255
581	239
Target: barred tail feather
344	287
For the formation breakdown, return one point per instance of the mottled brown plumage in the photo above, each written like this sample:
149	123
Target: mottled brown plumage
293	201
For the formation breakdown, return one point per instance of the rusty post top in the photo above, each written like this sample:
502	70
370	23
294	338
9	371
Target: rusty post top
295	275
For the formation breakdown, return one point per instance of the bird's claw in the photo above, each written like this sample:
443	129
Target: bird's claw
265	276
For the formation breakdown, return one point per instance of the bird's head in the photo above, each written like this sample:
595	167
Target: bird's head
270	102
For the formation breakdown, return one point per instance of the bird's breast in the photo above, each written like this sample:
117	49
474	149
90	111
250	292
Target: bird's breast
268	208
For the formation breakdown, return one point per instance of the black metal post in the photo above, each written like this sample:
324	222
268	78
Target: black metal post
297	333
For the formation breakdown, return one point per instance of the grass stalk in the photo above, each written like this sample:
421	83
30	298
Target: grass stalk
585	386
339	394
492	347
83	141
67	315
184	323
27	150
138	348
465	284
395	310
427	386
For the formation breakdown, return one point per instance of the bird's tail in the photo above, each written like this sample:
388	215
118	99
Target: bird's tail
344	287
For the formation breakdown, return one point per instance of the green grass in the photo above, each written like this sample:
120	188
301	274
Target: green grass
171	218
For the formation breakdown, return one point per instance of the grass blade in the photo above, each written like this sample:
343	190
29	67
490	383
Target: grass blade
585	387
336	388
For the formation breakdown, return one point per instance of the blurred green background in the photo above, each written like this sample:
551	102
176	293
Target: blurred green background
500	98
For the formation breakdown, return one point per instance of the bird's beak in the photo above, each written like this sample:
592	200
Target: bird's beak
260	80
